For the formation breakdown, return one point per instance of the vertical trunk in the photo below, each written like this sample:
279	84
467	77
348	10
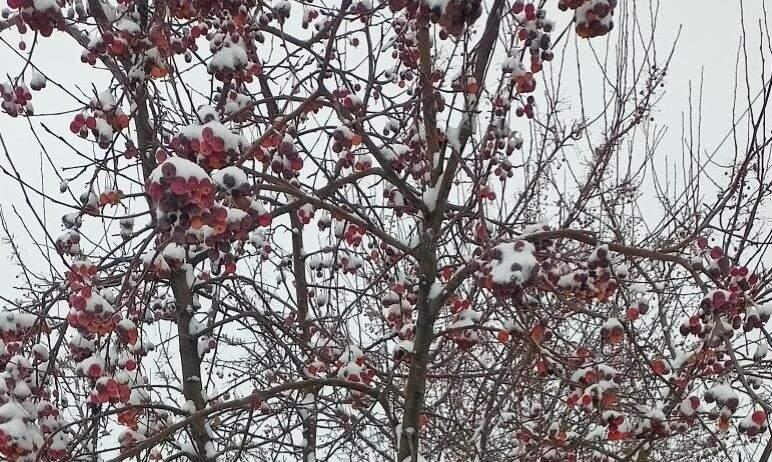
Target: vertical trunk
190	360
301	292
416	382
441	178
415	388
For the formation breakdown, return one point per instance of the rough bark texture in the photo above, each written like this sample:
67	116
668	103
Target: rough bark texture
189	359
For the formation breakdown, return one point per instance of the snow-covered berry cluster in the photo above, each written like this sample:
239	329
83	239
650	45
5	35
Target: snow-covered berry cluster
509	267
105	119
352	366
91	312
42	16
397	310
594	387
462	330
594	18
210	144
16	99
591	279
183	194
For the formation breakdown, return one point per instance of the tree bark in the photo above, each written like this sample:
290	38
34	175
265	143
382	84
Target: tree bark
190	360
441	178
415	388
301	292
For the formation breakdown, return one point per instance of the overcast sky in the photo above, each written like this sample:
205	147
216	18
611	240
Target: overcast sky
709	37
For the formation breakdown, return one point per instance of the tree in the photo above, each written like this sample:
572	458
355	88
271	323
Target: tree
378	231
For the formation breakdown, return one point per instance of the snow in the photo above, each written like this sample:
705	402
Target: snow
104	129
430	198
686	407
38	80
656	414
104	101
512	65
607	370
611	323
189	407
24	436
229	57
15	320
680	358
436	290
78	341
761	351
722	392
97	301
523	260
184	169
466	318
235	215
42	5
127	25
394	151
21	390
84	365
174	252
582	12
40	350
406	346
235	103
231	140
13	410
345	131
283	6
453	135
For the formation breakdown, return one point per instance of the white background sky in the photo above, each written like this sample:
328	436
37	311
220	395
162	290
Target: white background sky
710	34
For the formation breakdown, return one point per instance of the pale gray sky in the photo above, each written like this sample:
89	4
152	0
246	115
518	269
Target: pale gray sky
710	34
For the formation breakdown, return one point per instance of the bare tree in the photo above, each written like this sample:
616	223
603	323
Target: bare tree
411	230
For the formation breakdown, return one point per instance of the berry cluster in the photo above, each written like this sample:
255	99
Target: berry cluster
90	312
588	280
612	331
42	16
16	99
352	367
351	233
754	424
594	18
509	267
210	144
69	242
594	387
398	311
343	140
726	403
462	330
112	197
50	422
534	33
109	390
184	196
105	120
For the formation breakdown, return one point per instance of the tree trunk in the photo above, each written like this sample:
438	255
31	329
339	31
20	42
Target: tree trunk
190	360
301	292
416	381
